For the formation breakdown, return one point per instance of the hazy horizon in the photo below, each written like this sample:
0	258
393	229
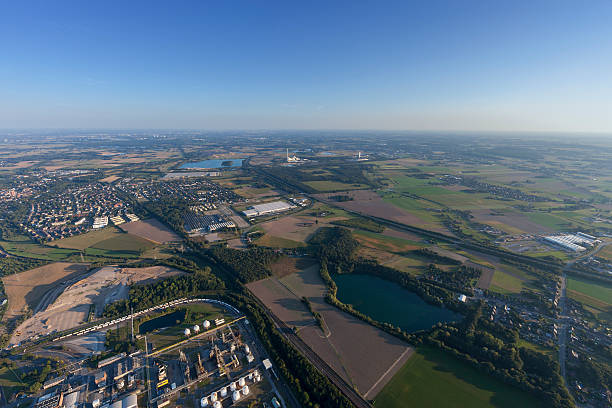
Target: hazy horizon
441	66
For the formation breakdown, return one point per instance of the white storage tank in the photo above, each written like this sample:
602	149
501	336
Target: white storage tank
213	396
223	392
257	378
217	404
235	396
250	376
187	332
206	324
245	390
247	349
233	386
241	382
204	402
196	328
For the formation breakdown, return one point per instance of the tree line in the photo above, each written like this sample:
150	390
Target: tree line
484	344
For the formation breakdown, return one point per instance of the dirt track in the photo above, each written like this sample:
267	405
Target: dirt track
71	308
360	353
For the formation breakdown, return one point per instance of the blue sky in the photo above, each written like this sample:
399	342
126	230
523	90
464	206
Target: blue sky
431	65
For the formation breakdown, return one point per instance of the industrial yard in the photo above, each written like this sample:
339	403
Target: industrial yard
214	363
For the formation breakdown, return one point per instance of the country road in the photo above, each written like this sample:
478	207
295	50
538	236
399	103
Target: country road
563	319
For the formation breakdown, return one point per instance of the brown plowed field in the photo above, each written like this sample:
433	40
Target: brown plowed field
152	230
362	354
288	265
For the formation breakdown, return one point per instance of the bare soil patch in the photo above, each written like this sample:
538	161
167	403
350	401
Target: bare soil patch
72	306
364	355
151	229
296	227
288	265
26	290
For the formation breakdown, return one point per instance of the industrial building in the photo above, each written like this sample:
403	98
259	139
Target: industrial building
205	223
577	242
267	209
52	400
131	401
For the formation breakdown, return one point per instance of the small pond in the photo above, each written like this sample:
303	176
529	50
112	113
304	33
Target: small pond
167	320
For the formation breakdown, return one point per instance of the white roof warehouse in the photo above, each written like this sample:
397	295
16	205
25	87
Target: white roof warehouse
267	208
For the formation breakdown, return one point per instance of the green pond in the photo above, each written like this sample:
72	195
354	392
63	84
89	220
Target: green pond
388	302
167	320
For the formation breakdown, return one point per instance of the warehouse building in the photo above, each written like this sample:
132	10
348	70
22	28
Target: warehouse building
267	209
574	242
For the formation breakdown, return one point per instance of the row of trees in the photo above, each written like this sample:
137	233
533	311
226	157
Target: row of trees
494	348
144	296
484	344
436	257
361	223
311	388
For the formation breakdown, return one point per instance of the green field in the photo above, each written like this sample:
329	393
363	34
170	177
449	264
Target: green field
419	208
443	196
593	294
386	243
22	246
505	283
88	239
432	378
278	242
594	289
325	186
549	221
124	242
9	382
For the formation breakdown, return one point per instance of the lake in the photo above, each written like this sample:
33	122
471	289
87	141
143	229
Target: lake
388	302
213	164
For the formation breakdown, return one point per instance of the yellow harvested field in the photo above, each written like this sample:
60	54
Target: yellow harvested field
110	179
26	290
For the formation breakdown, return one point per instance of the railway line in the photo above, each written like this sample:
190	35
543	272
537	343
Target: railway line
346	389
426	233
